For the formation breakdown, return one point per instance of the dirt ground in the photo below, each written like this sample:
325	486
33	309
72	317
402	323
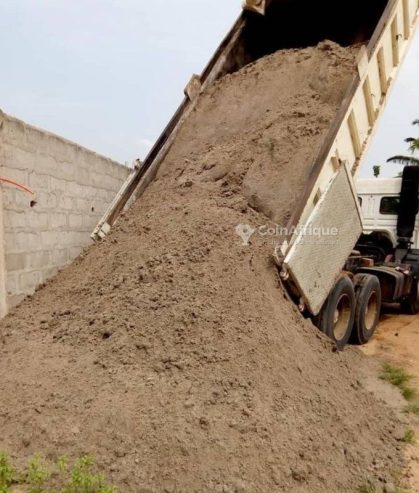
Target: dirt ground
397	341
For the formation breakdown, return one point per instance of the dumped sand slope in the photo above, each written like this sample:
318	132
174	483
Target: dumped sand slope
168	351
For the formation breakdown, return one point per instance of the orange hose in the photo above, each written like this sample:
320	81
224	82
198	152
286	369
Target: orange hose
17	185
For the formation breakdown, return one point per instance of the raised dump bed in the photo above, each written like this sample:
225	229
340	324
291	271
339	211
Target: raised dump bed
343	149
383	30
265	27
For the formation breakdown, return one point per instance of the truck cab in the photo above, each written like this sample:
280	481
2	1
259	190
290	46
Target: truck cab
379	199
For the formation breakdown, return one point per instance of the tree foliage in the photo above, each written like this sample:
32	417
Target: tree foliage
411	159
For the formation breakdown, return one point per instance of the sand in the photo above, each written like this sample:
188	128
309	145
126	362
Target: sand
169	352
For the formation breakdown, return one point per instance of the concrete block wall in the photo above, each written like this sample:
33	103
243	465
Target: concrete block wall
73	186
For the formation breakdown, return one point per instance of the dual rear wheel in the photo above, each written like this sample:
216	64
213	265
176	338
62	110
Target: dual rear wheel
352	310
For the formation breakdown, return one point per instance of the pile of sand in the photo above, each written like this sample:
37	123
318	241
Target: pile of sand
168	351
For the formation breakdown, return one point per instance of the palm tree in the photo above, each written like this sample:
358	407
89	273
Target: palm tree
413	148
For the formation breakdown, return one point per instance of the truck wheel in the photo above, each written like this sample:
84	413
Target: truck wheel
336	318
411	305
368	307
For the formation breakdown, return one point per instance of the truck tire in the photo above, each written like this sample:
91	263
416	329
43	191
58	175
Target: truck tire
411	305
336	318
368	307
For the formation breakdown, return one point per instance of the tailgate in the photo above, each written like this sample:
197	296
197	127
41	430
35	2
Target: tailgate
321	246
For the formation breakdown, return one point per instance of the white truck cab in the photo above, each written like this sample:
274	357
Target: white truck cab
379	199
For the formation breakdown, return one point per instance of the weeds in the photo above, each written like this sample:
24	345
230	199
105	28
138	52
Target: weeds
59	477
412	408
368	488
394	375
399	377
7	473
409	437
408	393
37	475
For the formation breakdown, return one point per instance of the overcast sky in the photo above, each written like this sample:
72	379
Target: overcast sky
401	111
109	74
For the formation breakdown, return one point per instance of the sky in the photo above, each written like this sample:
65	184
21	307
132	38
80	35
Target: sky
109	74
396	124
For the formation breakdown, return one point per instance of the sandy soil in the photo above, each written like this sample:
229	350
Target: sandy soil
168	351
397	341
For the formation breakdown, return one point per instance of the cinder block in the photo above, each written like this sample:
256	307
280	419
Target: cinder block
28	281
35	138
8	198
39	182
74	252
18	175
11	283
14	130
73	189
15	261
38	260
74	238
51	239
9	241
47	200
90	221
48	273
89	192
58	220
97	180
7	152
75	221
65	203
19	201
26	220
101	193
114	183
37	220
21	241
23	159
58	185
82	175
55	166
59	257
14	220
83	206
63	149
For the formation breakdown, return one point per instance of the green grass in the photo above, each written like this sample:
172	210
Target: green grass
412	408
7	473
409	437
409	393
394	375
368	488
400	378
60	477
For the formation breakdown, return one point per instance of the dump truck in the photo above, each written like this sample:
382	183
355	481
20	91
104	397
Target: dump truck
340	284
376	271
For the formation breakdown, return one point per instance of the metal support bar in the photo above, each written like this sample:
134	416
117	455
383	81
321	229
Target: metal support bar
384	82
353	129
406	19
369	102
